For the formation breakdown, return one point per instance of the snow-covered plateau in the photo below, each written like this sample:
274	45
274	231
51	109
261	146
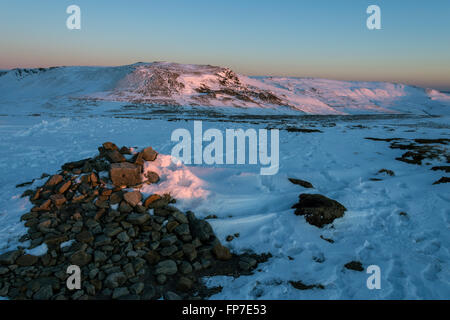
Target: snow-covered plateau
398	222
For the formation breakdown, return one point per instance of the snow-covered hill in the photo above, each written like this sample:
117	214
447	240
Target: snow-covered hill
203	85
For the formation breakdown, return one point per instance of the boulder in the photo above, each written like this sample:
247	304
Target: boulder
125	174
318	209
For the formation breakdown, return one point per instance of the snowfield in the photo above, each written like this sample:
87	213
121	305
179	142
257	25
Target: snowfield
49	117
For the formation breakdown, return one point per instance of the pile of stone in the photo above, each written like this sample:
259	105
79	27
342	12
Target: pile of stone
127	247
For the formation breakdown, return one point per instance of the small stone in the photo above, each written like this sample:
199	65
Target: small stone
168	240
112	231
137	288
152	257
221	252
189	251
182	229
64	187
58	199
169	295
138	218
201	229
151	199
184	284
44	293
161	279
85	237
100	256
229	238
54	180
80	258
167	267
152	177
125	150
149	293
180	217
148	154
123	236
114	156
172	225
133	198
185	267
120	292
197	266
45	206
115	280
27	260
44	224
125	207
109	146
168	251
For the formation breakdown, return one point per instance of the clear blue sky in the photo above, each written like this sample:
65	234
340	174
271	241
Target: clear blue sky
257	37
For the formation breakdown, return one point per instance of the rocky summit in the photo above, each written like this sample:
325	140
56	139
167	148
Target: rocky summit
92	214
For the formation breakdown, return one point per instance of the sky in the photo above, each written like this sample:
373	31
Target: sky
314	38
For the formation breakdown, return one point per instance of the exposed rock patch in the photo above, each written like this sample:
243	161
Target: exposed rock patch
354	265
318	209
303	183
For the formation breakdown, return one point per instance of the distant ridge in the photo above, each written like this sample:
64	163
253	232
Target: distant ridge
166	83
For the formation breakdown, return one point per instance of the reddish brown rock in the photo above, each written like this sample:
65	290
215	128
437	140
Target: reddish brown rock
110	146
148	154
151	199
133	198
54	180
152	177
114	156
64	187
125	174
45	206
125	150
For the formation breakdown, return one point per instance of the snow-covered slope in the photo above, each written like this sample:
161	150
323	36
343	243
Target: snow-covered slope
203	85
